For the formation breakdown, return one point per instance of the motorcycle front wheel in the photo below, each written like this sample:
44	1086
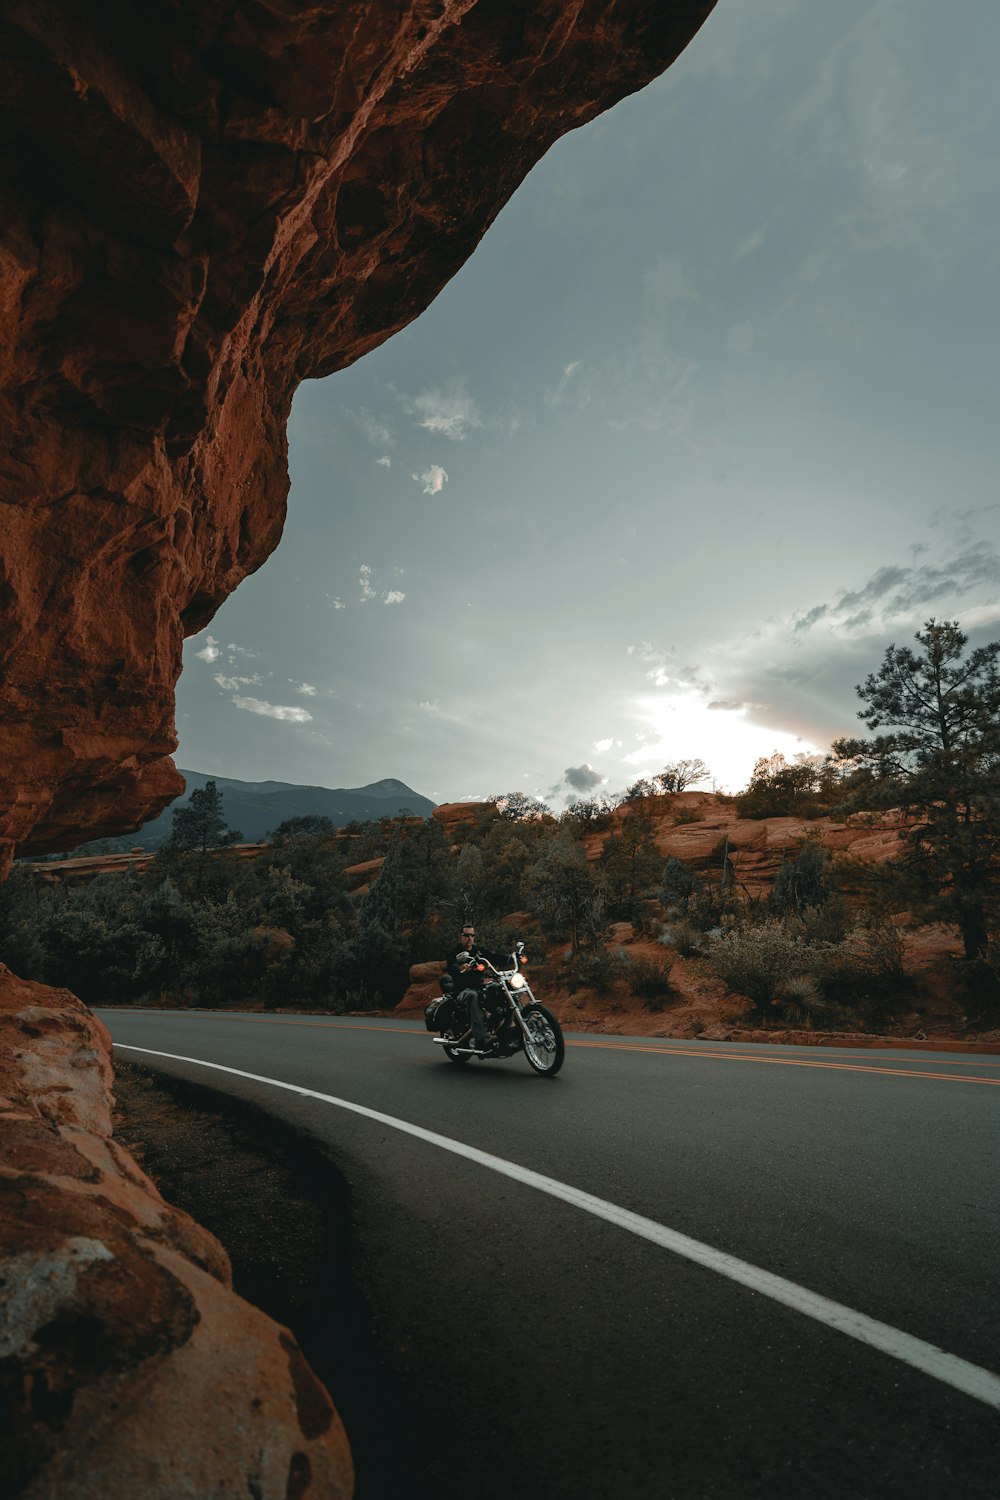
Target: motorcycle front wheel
543	1046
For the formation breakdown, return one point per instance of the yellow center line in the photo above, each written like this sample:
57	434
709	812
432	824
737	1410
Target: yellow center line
792	1062
780	1062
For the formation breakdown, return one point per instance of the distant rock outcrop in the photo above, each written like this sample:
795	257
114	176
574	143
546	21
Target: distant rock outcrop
203	205
756	848
128	1366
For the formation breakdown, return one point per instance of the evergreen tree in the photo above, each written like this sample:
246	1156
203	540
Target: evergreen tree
561	886
202	824
630	859
380	951
940	764
799	883
307	825
677	885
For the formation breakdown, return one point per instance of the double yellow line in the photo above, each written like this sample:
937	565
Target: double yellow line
700	1052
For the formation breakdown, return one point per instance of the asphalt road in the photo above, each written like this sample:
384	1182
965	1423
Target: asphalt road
552	1351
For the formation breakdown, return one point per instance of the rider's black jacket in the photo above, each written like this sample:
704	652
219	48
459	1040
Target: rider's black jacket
474	977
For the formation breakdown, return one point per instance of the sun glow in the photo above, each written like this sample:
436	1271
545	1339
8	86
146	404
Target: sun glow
674	726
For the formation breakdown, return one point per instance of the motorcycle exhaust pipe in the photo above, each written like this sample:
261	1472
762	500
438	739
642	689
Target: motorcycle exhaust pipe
443	1041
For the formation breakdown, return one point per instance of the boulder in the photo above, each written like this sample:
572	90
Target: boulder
128	1365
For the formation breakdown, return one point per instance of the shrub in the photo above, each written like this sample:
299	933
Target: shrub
677	884
599	970
828	923
650	981
755	961
800	1000
689	815
684	937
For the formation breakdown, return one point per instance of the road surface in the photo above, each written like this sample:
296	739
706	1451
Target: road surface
678	1270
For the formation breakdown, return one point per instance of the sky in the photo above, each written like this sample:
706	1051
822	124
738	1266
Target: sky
708	420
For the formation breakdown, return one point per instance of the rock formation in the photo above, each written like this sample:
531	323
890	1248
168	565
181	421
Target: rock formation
204	204
128	1366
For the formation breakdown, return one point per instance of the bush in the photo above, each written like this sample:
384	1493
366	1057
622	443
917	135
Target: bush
650	981
601	969
828	923
677	885
756	961
684	937
800	1000
689	815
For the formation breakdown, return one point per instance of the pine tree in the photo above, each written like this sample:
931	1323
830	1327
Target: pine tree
202	824
940	763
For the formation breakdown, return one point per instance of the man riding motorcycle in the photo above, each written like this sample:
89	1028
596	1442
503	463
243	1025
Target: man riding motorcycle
468	976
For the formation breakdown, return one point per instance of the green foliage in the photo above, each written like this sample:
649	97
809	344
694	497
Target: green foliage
677	885
630	861
590	815
939	763
202	823
308	825
649	980
24	905
515	807
600	969
562	888
684	937
806	787
800	882
800	1002
689	815
755	961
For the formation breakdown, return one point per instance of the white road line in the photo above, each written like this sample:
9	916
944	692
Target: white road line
981	1385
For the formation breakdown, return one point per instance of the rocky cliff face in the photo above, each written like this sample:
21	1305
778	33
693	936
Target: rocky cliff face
204	204
127	1364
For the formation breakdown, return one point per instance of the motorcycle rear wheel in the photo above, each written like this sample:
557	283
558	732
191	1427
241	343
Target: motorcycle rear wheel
546	1049
459	1057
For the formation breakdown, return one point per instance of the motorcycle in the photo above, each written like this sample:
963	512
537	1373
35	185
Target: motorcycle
518	1022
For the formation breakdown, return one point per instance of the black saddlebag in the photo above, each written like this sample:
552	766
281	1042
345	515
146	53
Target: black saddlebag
438	1015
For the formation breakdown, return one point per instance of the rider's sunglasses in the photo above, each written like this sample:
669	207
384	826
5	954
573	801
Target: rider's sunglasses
468	934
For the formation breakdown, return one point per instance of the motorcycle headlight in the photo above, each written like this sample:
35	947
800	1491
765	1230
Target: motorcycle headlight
516	981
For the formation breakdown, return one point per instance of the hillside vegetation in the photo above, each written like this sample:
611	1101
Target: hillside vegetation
837	892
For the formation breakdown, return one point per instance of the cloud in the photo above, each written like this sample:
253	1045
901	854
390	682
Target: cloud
796	673
385	461
898	591
307	689
273	710
393	596
583	778
210	651
233	684
433	479
365	583
335	602
378	432
452	413
558	395
750	244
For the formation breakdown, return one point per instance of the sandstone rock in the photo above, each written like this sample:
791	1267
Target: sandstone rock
128	1366
210	204
457	818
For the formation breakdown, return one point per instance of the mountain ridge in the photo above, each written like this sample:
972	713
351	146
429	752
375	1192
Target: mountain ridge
256	808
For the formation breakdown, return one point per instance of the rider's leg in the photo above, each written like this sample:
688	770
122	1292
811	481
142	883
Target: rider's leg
472	999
